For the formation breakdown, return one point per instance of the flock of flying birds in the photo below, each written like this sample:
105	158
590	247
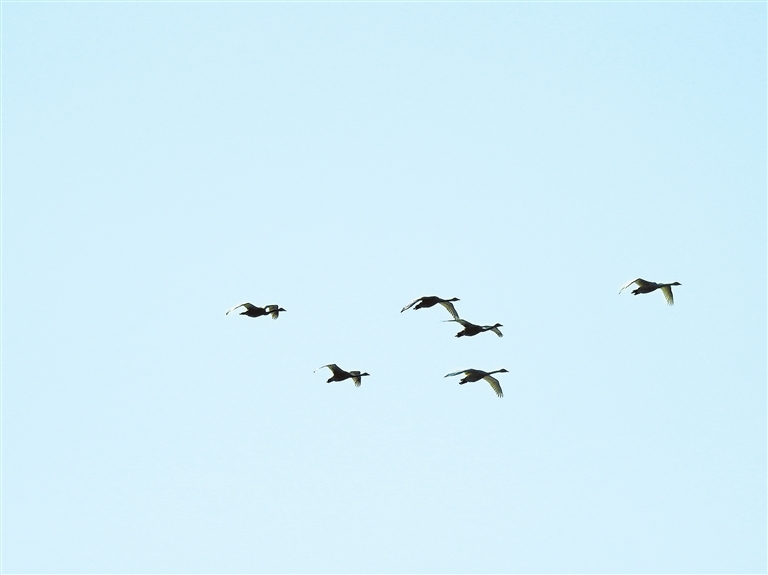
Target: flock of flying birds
469	330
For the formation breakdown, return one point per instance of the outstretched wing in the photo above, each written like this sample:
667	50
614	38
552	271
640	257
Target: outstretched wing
451	310
494	384
333	367
246	305
273	311
667	291
497	331
357	376
463	322
410	305
639	281
463	371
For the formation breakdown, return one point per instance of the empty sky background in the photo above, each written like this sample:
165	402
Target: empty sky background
164	162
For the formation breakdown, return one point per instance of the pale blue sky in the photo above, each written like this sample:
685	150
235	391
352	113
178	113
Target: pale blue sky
163	162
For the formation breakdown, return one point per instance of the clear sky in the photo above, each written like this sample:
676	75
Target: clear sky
163	162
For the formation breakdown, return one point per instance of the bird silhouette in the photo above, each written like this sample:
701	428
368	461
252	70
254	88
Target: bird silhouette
253	311
472	375
431	300
471	329
644	286
340	375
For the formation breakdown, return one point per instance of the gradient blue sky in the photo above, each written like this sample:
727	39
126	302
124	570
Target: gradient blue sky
163	162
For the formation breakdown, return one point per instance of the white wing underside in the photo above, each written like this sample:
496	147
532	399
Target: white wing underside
464	371
639	281
332	366
463	322
494	384
667	291
247	306
410	305
451	310
272	310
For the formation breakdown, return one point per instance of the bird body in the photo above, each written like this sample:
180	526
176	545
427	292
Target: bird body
471	329
340	375
431	300
472	375
644	286
254	311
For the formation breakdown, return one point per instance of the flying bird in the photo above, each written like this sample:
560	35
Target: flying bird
644	286
430	300
472	375
340	375
471	329
253	311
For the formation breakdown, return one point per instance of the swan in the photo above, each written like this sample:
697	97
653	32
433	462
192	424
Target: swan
253	311
340	375
644	286
430	300
472	375
471	329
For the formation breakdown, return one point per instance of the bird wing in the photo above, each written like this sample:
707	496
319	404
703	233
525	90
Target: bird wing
451	310
494	384
356	378
497	331
639	281
247	306
667	290
333	367
463	322
464	371
273	311
410	305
